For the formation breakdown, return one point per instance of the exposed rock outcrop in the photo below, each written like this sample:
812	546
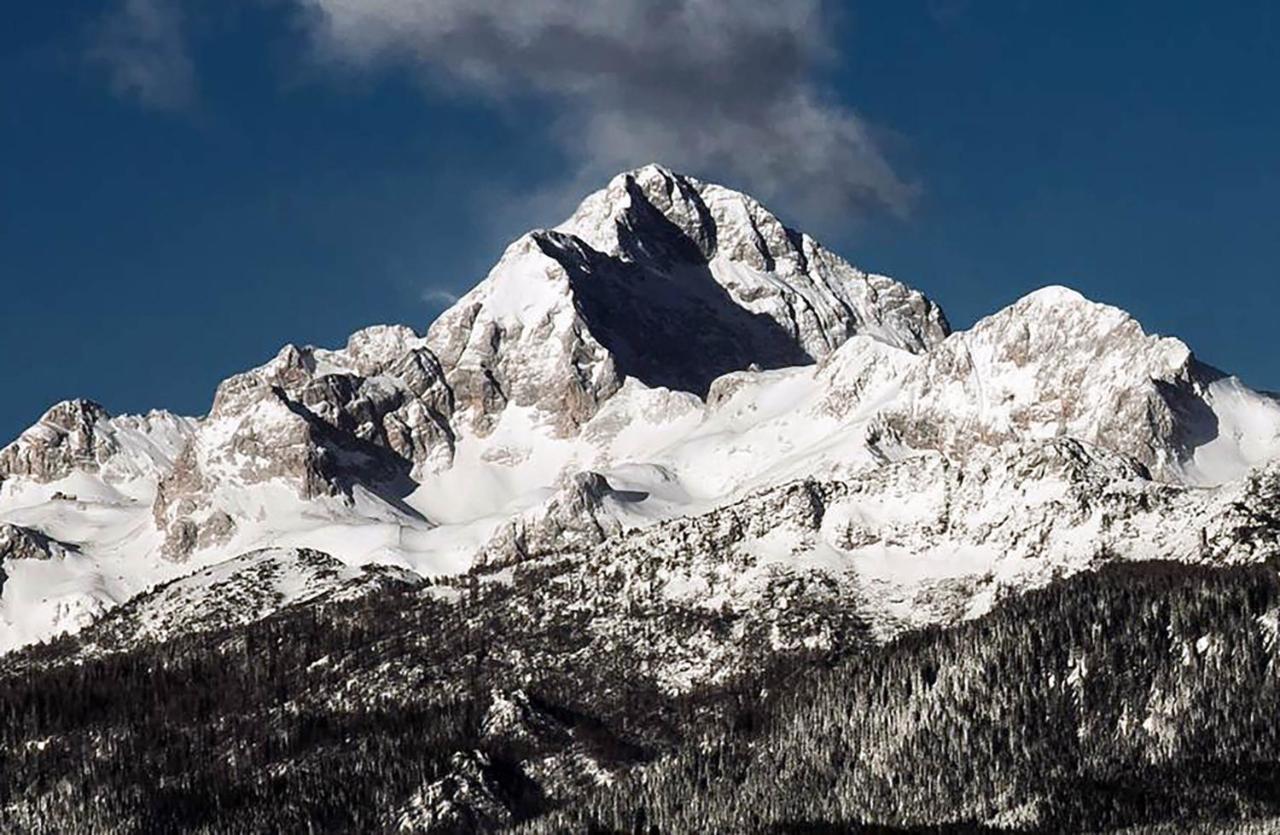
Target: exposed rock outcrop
19	543
577	516
666	279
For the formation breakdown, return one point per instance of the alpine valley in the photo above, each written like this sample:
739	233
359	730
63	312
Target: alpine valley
676	522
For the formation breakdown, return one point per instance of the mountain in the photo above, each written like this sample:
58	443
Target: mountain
412	450
1140	693
666	458
668	350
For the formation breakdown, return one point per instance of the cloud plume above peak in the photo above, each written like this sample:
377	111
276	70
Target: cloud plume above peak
726	89
723	88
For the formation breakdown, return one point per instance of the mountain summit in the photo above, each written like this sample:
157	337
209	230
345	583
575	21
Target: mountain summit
670	281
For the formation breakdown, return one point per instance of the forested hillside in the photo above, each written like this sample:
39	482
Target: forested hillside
1137	695
1140	694
453	708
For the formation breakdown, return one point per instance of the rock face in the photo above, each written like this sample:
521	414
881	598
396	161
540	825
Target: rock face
65	438
813	296
385	389
19	543
318	421
673	378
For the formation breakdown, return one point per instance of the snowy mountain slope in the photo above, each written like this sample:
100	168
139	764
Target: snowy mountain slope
238	591
79	436
668	352
1246	431
535	339
819	568
918	541
666	280
1057	364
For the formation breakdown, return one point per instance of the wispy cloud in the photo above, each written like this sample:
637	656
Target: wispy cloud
142	48
439	297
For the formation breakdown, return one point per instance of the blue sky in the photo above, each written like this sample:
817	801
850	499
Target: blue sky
186	185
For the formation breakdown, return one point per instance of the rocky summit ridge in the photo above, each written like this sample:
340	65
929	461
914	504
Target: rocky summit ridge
657	374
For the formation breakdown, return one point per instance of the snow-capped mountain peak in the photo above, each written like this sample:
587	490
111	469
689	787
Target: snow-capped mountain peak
669	351
666	280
